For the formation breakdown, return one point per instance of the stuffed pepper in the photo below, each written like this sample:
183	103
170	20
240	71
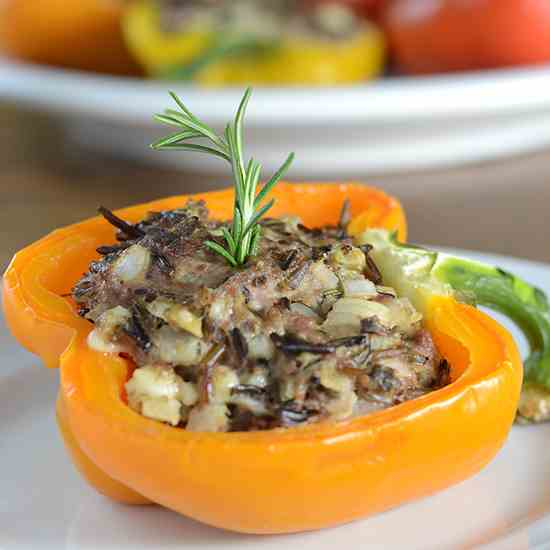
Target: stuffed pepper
84	35
292	368
253	42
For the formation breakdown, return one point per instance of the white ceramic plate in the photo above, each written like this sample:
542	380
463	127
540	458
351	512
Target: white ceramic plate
392	125
44	505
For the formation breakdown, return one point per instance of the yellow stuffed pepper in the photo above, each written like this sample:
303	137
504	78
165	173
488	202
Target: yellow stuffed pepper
253	42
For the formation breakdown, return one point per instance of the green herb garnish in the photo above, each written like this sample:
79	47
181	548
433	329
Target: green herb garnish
226	46
242	240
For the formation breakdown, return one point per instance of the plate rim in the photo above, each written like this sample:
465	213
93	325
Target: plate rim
391	100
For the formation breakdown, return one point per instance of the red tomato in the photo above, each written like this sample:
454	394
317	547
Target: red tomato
365	7
450	35
362	7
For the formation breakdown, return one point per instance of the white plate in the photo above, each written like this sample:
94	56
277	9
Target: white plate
44	505
392	125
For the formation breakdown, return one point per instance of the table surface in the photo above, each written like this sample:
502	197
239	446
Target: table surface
47	182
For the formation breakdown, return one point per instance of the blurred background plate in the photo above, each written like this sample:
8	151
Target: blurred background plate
390	126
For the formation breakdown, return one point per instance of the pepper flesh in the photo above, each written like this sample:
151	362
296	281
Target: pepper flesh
199	55
485	285
283	480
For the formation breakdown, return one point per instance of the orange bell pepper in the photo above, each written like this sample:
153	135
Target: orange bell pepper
282	480
85	35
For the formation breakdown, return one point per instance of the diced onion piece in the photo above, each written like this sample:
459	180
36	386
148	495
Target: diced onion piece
188	393
399	367
154	391
153	381
359	288
342	406
103	337
348	257
176	315
223	381
288	389
302	309
260	347
181	317
221	309
111	320
132	265
404	316
324	276
179	348
379	342
258	377
159	307
97	341
211	417
350	311
163	409
334	380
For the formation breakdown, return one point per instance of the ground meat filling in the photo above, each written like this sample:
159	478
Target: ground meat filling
305	331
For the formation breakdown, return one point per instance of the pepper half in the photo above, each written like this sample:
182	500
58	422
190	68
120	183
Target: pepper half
416	271
213	57
282	480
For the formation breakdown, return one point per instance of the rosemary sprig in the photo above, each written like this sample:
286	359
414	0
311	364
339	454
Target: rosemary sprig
241	240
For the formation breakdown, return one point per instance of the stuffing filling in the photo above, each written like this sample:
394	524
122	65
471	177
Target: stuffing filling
260	19
305	331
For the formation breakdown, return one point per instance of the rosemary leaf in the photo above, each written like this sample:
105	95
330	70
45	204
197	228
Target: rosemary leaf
237	174
238	129
205	131
254	244
192	147
230	240
237	225
274	179
242	238
181	105
175	138
254	178
170	120
221	251
254	221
